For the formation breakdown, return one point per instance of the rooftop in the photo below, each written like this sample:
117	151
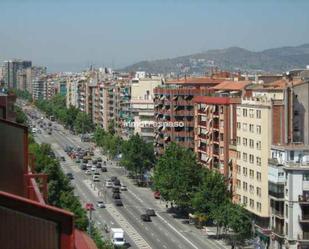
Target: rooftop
195	81
229	85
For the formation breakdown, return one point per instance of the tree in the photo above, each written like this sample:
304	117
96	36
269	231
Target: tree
21	118
83	123
137	155
177	175
111	127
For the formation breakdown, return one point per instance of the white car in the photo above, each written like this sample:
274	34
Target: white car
123	188
93	168
88	172
95	178
108	184
100	204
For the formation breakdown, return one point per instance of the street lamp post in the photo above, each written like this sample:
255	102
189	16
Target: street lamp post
89	208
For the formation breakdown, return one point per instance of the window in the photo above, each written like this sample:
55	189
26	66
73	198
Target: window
238	183
251	203
238	169
251	189
238	155
258	191
251	143
244	141
259	206
238	140
306	177
251	173
238	111
245	200
258	129
244	157
258	114
221	109
258	161
244	171
258	176
251	113
286	228
251	158
244	127
238	125
244	186
292	155
286	210
258	145
244	112
251	128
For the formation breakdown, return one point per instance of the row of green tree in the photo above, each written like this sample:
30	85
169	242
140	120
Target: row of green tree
60	191
71	117
193	188
22	94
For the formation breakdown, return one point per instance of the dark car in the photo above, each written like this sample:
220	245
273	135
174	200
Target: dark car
85	160
99	165
83	166
145	217
104	169
94	162
157	195
118	202
113	178
62	158
117	182
99	159
116	190
70	176
150	212
116	196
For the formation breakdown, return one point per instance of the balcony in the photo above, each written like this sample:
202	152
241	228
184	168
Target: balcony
277	195
303	199
304	218
278	213
278	231
202	148
202	123
303	237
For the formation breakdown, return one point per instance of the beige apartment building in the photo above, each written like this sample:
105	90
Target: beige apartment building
142	106
254	130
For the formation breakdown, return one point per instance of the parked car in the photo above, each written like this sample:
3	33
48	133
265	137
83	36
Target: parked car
100	204
93	168
70	176
118	202
99	165
104	169
123	188
150	212
96	173
62	158
77	160
99	159
145	217
83	166
85	160
94	162
88	172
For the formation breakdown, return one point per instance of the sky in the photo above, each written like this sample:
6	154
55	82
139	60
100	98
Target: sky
70	35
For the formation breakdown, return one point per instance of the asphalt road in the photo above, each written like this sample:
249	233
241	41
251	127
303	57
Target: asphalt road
164	231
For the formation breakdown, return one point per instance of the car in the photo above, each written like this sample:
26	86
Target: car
96	173
94	162
85	160
99	159
93	168
91	153
116	182
49	132
62	158
70	176
89	165
104	169
123	188
118	202
150	212
100	204
116	190
39	131
145	217
95	178
83	166
157	195
108	184
113	178
104	162
116	195
88	172
77	160
99	165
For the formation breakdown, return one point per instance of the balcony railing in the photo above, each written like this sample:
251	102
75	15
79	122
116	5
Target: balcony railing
303	199
304	218
278	231
278	213
304	236
278	195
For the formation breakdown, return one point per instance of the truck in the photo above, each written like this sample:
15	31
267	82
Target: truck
117	237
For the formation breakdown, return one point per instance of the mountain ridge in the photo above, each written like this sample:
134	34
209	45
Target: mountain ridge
232	58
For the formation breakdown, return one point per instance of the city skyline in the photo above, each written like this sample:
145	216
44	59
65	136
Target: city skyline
120	33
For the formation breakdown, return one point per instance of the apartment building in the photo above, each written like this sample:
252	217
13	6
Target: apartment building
174	105
11	69
289	196
254	130
215	125
39	89
142	106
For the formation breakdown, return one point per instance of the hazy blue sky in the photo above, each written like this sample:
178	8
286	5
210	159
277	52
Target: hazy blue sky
71	34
